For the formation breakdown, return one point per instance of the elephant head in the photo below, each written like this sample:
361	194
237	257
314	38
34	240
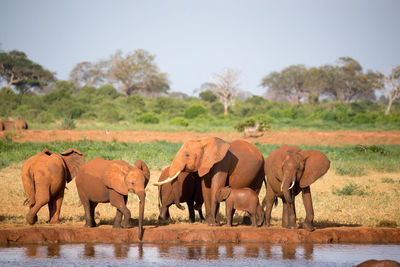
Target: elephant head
223	193
302	167
197	155
74	160
124	178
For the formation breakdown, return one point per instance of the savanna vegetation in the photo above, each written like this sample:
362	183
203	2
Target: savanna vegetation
128	91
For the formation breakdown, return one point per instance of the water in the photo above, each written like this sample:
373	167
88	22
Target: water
195	255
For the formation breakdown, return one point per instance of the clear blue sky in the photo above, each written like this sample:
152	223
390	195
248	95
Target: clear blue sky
194	39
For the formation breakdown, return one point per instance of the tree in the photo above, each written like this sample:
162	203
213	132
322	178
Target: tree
348	82
392	82
289	83
316	83
88	74
137	72
19	71
208	96
225	86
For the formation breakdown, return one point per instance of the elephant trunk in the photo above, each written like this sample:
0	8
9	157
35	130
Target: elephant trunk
286	186
142	199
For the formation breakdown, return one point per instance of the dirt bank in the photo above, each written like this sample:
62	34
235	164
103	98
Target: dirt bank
292	137
196	234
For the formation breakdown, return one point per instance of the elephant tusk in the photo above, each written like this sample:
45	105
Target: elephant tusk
167	180
291	186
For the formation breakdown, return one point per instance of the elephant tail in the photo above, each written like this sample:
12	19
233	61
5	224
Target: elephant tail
29	187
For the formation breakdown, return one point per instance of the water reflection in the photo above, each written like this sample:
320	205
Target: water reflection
235	251
196	254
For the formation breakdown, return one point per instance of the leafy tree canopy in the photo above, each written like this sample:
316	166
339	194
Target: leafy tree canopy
22	73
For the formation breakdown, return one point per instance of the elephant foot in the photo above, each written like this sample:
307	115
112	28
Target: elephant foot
31	219
308	226
90	225
246	220
125	225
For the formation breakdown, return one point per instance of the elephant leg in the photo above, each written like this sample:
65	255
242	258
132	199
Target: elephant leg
119	201
163	213
269	200
292	216
229	213
217	182
200	214
206	188
176	190
89	208
307	200
253	219
191	211
117	219
42	198
285	215
56	208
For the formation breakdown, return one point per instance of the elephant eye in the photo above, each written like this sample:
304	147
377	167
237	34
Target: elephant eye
133	183
187	155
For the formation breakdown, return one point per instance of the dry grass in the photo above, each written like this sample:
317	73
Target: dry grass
376	202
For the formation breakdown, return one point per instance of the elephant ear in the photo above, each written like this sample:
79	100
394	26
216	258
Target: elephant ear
214	150
316	165
114	177
145	170
74	160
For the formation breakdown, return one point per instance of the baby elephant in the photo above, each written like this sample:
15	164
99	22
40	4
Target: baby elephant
241	199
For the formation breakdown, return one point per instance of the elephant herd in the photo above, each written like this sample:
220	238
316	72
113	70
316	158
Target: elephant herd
13	125
206	171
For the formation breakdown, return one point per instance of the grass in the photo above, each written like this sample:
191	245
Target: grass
376	207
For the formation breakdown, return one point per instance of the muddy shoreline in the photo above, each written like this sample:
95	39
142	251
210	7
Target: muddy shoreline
174	234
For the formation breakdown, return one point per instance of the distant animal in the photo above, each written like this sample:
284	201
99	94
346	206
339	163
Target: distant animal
20	125
244	199
44	177
189	191
8	125
107	132
251	131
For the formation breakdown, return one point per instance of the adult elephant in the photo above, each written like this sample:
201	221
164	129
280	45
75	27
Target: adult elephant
8	125
44	177
20	125
103	181
290	171
238	164
189	186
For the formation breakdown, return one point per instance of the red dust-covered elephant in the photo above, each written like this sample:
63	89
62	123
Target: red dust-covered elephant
218	163
290	171
44	177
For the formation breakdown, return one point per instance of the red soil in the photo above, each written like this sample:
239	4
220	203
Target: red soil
292	137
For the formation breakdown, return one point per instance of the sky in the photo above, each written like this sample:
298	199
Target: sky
193	40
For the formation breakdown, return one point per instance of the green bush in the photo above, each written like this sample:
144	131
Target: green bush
194	111
348	190
179	121
217	108
68	124
208	96
148	118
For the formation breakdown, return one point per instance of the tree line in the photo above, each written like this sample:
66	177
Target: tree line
137	73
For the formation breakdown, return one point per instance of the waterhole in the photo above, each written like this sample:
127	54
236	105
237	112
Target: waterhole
195	255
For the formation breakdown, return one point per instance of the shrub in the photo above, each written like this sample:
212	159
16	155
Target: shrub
217	108
348	190
194	111
148	118
68	124
263	120
179	121
373	149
